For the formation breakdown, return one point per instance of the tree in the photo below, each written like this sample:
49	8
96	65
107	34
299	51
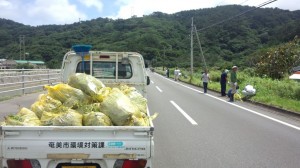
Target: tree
25	66
279	60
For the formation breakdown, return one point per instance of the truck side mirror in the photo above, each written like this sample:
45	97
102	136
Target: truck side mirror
148	80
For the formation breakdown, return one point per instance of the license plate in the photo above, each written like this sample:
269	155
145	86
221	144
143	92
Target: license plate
78	166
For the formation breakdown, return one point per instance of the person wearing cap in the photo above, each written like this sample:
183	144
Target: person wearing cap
233	82
223	82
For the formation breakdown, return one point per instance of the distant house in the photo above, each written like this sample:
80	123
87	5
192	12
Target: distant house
12	64
295	69
36	64
295	75
7	64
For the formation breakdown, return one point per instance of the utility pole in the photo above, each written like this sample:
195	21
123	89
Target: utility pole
22	46
192	49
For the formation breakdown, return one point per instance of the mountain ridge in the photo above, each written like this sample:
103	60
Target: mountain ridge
162	38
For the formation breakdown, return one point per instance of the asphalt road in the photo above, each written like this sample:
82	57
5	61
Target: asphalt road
205	130
196	130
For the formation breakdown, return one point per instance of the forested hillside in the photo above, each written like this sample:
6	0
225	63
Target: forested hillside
162	38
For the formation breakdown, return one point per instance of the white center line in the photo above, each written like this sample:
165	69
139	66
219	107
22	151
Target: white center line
184	113
158	89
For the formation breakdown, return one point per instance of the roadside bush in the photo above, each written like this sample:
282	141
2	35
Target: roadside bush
284	91
249	71
215	76
297	93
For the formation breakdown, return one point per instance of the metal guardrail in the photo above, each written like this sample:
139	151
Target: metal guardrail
15	82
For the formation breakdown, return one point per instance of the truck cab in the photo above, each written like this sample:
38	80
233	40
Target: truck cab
112	68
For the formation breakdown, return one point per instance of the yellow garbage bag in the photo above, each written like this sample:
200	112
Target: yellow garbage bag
141	119
84	109
69	96
96	119
136	98
69	117
118	107
24	117
88	84
44	103
48	117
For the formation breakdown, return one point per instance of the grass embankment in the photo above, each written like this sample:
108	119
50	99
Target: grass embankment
284	94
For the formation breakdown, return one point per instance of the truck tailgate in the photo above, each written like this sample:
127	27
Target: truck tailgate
71	142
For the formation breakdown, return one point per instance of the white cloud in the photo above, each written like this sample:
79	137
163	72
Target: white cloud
93	3
145	7
5	4
9	9
286	4
40	12
55	11
43	12
282	4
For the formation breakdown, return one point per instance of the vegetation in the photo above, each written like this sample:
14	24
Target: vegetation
263	43
284	94
269	76
276	62
25	66
161	38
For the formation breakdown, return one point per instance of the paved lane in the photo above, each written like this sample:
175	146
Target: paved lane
226	134
203	130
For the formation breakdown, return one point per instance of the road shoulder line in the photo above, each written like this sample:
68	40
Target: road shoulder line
192	121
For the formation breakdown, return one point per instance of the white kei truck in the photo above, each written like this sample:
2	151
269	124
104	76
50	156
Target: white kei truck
85	146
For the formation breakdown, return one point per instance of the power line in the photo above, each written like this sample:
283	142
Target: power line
240	14
225	0
243	2
198	39
220	2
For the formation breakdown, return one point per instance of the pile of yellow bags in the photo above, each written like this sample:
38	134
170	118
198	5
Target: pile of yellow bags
85	101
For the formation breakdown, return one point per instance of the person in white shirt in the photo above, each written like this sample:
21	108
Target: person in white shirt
205	79
176	74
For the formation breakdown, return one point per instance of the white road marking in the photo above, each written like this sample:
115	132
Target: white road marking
241	107
184	113
158	88
152	82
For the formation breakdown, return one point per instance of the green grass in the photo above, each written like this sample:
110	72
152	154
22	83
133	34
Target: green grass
284	94
18	95
6	98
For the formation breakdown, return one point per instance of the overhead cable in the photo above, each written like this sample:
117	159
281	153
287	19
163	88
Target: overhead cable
240	14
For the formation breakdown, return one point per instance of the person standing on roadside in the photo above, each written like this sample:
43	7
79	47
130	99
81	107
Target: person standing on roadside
205	79
176	74
233	82
168	73
223	82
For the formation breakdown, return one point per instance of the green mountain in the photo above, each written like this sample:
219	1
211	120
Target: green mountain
162	38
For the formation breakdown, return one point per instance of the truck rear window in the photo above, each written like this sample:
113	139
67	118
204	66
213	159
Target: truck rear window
105	70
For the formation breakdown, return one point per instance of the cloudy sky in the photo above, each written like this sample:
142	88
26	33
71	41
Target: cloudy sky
45	12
